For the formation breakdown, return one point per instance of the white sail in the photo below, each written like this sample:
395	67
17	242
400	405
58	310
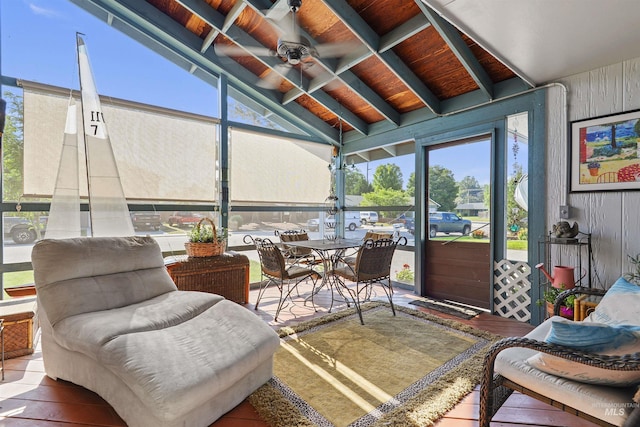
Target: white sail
107	205
64	215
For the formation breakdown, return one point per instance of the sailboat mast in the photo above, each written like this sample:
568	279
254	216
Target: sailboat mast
80	42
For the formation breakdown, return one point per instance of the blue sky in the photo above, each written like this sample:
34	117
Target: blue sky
122	67
38	44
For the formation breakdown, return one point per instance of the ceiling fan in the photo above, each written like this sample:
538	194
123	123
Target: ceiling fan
293	48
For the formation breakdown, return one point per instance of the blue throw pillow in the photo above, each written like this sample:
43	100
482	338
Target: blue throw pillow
594	337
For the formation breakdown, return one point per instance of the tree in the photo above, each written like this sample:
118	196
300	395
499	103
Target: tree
385	197
486	190
442	187
243	114
411	185
13	148
387	176
465	193
355	183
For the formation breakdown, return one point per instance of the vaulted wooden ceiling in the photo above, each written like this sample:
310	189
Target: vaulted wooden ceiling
403	63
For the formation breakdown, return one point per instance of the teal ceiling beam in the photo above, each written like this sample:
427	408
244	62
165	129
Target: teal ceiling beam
452	37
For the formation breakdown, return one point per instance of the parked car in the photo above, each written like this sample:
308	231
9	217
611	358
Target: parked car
146	220
183	219
368	217
351	222
447	222
20	229
410	225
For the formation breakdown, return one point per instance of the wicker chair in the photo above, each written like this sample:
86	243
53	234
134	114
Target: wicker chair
296	254
495	388
372	265
350	259
276	271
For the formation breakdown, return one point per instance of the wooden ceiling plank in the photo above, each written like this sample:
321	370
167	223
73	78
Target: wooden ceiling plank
160	28
351	18
459	48
243	39
347	77
403	32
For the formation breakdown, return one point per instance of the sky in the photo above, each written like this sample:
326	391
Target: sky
39	44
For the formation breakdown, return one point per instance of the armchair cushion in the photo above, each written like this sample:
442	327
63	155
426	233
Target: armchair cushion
594	338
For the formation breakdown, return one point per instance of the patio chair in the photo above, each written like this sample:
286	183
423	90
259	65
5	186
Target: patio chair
350	259
372	265
296	254
276	271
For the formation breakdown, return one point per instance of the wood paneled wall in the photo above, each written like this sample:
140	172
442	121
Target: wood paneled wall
613	218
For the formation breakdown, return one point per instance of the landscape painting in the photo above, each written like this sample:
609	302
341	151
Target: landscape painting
605	153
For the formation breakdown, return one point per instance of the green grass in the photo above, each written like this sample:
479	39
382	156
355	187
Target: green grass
254	271
518	245
17	278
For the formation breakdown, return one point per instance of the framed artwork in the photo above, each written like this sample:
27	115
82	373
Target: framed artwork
605	153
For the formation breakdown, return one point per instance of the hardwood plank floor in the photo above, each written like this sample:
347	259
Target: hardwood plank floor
29	398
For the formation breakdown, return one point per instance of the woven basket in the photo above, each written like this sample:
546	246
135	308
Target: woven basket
206	249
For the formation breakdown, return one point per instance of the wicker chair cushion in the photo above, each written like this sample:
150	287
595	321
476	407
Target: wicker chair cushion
590	337
619	306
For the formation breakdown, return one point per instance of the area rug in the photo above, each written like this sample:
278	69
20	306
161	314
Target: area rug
448	307
407	370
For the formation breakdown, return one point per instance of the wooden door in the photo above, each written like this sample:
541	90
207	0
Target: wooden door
459	271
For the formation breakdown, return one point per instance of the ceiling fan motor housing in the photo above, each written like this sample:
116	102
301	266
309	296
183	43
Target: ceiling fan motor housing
294	5
294	52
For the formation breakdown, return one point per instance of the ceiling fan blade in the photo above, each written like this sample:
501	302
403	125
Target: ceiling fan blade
228	50
333	50
286	28
272	80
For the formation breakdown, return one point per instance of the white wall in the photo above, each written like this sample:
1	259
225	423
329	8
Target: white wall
613	218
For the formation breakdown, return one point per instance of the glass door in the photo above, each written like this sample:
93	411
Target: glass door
458	251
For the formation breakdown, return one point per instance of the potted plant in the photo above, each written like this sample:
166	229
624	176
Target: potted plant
593	168
634	276
549	298
205	241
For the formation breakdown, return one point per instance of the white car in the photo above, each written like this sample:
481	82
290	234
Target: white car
368	217
352	221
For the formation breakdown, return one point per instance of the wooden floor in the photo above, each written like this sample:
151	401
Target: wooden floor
29	398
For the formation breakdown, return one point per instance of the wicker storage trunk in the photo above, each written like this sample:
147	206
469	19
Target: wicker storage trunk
20	326
226	275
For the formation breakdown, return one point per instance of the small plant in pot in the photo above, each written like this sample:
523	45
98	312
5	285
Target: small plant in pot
205	240
549	298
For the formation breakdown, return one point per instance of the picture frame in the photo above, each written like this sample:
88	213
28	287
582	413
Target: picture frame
605	153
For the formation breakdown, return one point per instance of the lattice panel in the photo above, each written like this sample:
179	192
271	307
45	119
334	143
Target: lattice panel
511	289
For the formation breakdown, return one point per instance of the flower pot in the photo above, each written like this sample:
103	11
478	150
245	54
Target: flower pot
593	171
566	312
